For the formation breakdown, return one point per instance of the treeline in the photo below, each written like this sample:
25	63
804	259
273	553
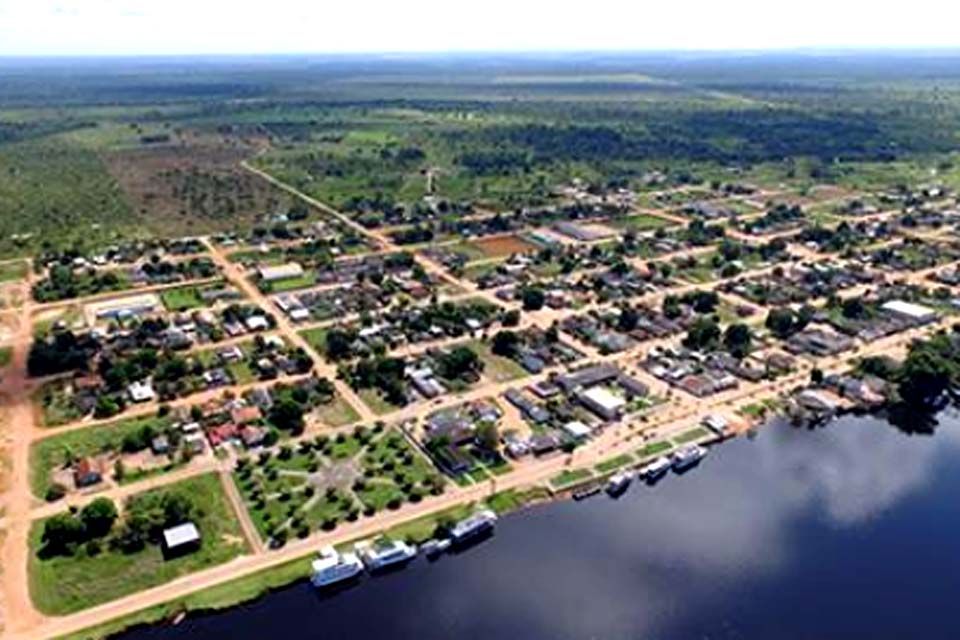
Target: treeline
727	136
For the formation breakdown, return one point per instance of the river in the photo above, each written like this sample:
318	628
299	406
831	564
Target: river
851	530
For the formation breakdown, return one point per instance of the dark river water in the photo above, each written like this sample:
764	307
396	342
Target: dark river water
848	531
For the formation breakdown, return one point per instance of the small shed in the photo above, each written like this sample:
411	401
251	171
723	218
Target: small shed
181	539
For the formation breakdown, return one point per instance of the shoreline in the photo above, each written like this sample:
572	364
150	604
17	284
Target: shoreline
250	588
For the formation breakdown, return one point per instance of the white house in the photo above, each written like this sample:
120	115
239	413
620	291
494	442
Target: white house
141	391
280	272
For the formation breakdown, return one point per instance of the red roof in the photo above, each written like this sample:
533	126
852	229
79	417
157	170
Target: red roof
86	467
244	415
222	433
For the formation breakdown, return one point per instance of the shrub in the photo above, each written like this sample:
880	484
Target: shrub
55	492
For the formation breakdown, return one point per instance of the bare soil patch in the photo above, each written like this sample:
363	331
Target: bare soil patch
194	185
503	246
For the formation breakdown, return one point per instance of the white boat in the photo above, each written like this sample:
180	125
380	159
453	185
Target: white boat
478	524
332	567
687	456
383	553
619	482
655	469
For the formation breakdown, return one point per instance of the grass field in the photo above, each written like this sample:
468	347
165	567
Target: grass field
641	222
59	193
496	368
49	453
654	449
692	435
55	406
570	477
10	271
182	299
308	279
613	464
336	413
317	338
61	585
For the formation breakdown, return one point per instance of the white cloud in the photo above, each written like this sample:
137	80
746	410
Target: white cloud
312	26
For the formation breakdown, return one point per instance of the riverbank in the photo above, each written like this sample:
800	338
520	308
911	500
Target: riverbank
259	584
262	583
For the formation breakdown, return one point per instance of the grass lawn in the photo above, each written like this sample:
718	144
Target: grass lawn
378	493
375	401
55	405
570	477
61	585
655	449
336	413
613	464
475	272
691	435
218	597
496	368
317	338
13	271
308	279
47	454
641	222
6	355
513	499
182	299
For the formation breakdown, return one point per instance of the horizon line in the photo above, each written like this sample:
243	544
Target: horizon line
434	53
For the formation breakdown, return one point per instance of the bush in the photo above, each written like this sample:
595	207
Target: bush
55	492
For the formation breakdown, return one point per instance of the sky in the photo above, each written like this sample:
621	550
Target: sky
159	27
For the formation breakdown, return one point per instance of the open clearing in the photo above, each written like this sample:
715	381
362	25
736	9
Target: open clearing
502	246
194	186
62	584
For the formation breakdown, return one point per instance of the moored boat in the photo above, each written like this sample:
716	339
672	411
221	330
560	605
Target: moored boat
333	567
619	482
687	456
656	469
479	524
585	492
384	553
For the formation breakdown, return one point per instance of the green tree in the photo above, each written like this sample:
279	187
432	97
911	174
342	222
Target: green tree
287	414
782	322
505	343
98	517
924	376
61	532
737	340
628	319
488	436
703	335
533	299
